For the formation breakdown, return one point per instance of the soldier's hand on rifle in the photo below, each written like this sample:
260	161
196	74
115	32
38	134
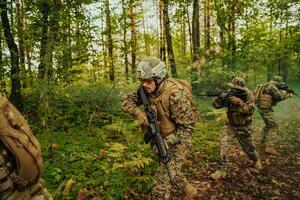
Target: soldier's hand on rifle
235	100
172	139
220	98
142	117
286	94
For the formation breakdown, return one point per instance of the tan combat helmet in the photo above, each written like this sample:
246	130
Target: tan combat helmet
150	67
237	83
277	80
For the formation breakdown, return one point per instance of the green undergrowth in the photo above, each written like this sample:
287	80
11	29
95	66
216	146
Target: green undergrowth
98	164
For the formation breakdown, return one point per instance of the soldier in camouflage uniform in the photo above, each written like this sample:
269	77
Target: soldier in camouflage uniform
176	120
239	114
267	96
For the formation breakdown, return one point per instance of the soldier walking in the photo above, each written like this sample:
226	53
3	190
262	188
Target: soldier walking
239	115
267	96
173	110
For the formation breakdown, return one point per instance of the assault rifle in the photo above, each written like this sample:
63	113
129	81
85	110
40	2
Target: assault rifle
286	88
228	93
155	133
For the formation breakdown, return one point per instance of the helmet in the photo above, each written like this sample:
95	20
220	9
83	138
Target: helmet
150	67
238	83
277	80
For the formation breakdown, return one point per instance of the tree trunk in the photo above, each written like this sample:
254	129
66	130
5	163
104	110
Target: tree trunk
110	42
189	29
207	25
232	42
125	50
168	35
196	31
145	27
44	9
133	40
2	70
162	48
183	31
270	68
20	28
286	54
15	95
67	50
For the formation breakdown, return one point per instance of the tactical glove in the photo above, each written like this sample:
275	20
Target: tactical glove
235	100
172	139
142	117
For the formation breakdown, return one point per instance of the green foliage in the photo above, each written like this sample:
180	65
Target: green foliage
107	168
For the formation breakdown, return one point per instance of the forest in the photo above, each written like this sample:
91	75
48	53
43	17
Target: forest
66	64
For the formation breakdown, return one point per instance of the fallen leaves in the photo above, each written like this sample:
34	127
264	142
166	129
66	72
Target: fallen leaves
218	175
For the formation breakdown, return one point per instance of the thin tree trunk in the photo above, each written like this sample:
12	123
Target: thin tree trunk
147	49
285	47
207	25
270	68
2	70
67	50
15	95
232	41
167	29
20	22
44	9
125	40
133	40
110	42
196	31
189	29
162	48
183	31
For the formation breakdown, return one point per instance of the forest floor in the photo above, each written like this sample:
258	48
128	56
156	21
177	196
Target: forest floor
280	177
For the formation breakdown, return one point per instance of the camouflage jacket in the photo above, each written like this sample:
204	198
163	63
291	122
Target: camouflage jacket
179	109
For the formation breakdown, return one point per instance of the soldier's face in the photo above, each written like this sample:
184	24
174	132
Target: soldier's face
149	86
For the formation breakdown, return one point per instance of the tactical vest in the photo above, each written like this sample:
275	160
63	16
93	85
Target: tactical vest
161	103
18	140
236	118
262	100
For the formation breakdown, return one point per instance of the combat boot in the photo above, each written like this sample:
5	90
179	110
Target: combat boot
271	150
189	192
258	165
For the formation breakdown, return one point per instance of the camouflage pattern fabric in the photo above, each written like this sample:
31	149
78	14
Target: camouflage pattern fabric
9	190
162	189
271	125
277	95
242	132
243	135
181	115
270	130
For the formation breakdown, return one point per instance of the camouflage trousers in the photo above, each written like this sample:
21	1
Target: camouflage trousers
243	135
162	189
270	129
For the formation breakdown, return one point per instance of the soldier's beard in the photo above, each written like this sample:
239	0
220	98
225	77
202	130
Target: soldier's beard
149	90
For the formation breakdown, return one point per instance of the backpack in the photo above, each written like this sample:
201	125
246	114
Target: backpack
262	100
18	139
187	88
